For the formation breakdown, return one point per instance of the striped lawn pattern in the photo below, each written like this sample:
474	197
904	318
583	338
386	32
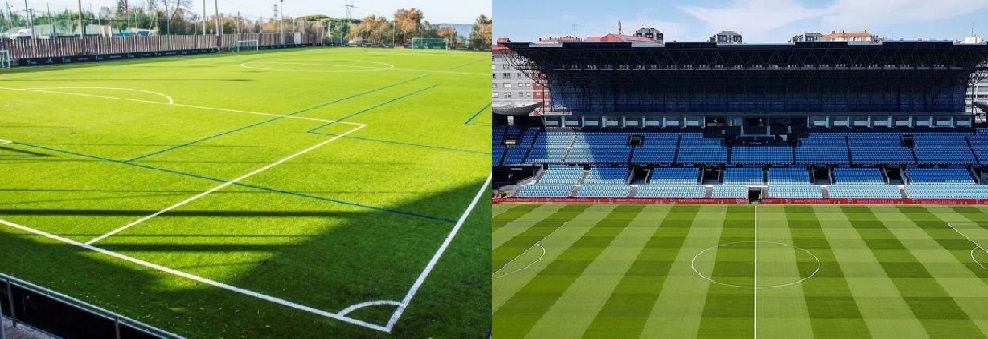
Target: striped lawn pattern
680	271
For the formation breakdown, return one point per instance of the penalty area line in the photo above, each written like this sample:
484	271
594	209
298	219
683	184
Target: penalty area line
196	278
438	255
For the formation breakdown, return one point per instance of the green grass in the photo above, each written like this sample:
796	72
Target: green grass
99	146
628	271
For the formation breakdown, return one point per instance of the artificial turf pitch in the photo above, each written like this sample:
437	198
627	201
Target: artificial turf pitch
323	178
623	271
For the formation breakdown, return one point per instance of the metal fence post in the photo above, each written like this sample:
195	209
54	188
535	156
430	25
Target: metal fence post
10	300
116	327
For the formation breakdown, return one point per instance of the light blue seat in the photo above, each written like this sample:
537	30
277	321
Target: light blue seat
604	191
794	191
865	191
545	191
670	191
729	191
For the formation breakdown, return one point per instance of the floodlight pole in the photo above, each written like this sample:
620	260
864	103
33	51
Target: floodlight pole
53	31
204	15
219	35
82	28
27	11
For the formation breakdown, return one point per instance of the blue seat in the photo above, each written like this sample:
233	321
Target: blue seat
788	176
674	176
858	176
939	176
743	176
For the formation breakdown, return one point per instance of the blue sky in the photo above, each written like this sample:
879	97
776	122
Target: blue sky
436	11
757	20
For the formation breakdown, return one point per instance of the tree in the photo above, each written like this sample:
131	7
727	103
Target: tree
480	37
448	33
409	23
373	29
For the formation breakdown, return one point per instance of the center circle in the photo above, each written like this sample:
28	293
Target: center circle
740	272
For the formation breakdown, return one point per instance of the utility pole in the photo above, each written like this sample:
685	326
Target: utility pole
281	22
82	28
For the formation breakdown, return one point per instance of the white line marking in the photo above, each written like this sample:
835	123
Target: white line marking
711	279
976	244
169	98
498	274
437	256
352	308
385	66
193	277
222	186
5	142
755	285
181	105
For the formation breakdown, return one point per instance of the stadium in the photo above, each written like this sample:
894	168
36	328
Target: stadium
243	185
700	189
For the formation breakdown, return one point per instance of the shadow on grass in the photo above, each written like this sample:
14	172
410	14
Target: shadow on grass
371	256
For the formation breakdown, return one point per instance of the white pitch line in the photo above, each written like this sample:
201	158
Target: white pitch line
352	308
197	278
167	97
222	186
435	258
755	288
181	105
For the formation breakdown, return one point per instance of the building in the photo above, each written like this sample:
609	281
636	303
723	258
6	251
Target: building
726	37
651	33
611	37
862	36
511	88
557	40
807	37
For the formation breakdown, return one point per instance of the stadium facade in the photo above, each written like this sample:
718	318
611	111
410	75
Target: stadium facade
702	121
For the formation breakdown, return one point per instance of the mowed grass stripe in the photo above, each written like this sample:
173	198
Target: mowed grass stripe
782	310
518	226
515	276
678	310
964	288
832	309
522	242
520	313
729	311
929	302
960	246
511	214
878	298
575	309
629	305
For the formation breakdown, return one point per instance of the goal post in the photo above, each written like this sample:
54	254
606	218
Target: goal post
5	59
429	43
245	46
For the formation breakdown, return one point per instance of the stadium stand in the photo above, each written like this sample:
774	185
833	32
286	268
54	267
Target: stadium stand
607	175
858	176
968	191
663	191
744	176
674	176
540	190
794	191
729	191
694	149
943	148
865	191
769	155
949	176
788	176
604	191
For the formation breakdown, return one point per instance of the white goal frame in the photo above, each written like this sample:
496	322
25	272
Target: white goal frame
239	46
5	59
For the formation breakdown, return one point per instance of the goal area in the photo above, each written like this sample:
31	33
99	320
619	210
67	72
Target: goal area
244	46
429	43
5	59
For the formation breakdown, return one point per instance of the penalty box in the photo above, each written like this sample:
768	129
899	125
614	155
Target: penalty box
198	238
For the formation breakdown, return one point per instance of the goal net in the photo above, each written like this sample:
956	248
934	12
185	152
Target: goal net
5	60
429	43
244	46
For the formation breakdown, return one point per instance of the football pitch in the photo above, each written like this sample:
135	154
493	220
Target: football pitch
771	271
313	192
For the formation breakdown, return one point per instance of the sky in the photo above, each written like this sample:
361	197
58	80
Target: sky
436	11
759	21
